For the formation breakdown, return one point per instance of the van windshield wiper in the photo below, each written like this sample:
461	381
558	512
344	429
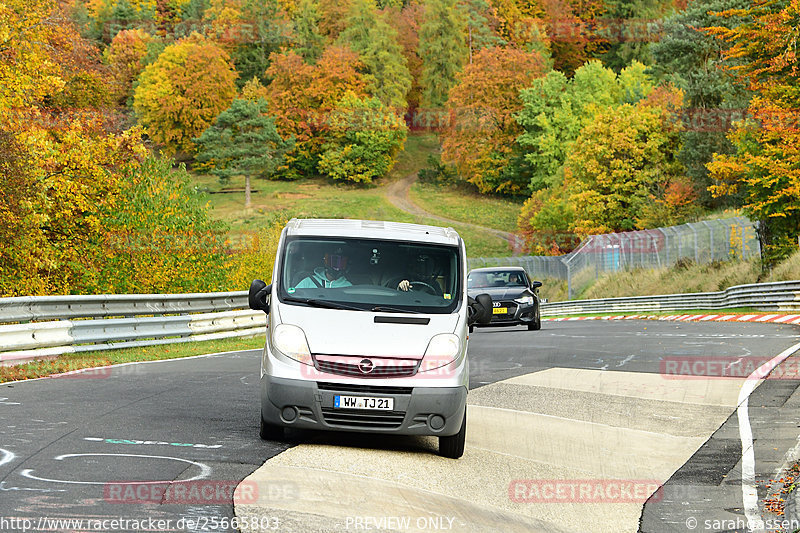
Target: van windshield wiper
385	309
321	303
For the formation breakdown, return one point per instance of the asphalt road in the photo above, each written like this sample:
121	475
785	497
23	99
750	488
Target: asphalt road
66	444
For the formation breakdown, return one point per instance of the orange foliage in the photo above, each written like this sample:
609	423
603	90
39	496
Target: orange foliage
482	137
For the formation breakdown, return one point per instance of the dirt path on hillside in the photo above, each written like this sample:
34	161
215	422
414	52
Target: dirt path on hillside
397	194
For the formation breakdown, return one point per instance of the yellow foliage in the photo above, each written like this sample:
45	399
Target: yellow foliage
254	257
28	72
181	94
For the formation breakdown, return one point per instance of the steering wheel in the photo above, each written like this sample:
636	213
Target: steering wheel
430	289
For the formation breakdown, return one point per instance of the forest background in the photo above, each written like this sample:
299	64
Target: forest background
588	116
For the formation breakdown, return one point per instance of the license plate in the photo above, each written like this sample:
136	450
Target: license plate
363	402
500	310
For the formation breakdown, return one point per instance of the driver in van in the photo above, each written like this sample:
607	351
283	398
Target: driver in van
423	273
331	275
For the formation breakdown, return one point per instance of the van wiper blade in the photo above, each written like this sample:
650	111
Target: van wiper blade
384	309
321	303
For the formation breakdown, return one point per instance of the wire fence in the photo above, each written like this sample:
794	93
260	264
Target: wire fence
701	242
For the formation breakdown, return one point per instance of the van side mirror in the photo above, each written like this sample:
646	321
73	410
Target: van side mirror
536	284
257	297
480	310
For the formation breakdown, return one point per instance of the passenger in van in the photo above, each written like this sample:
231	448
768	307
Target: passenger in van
332	274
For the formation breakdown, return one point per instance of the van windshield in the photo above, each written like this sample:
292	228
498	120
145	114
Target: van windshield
367	274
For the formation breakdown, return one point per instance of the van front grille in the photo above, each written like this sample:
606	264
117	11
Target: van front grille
366	389
353	366
363	419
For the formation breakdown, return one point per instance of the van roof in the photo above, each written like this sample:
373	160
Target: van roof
371	229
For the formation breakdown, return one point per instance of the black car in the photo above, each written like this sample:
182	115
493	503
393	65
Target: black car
515	298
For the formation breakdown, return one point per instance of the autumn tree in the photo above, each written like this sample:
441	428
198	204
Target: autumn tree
621	163
301	97
442	49
125	57
364	139
765	167
408	21
555	109
31	33
481	141
180	94
160	220
692	59
242	141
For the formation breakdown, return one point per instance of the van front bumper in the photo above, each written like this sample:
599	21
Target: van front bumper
307	404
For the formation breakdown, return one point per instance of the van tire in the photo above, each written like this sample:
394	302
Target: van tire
452	447
270	432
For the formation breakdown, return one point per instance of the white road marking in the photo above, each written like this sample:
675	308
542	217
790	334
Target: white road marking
6	456
205	470
749	492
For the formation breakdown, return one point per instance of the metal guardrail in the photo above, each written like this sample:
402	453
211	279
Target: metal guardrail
783	296
26	308
44	326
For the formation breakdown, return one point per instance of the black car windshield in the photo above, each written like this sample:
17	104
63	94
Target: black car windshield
485	279
388	276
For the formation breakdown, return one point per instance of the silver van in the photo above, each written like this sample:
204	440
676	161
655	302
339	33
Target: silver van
367	330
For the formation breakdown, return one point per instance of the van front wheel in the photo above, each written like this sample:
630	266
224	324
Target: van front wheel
270	432
452	447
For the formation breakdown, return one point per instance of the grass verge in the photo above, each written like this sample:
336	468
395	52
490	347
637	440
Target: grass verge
460	203
75	361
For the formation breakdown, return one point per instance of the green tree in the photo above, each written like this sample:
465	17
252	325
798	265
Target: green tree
264	31
180	94
363	141
442	49
479	33
243	142
555	109
376	42
550	124
162	221
309	42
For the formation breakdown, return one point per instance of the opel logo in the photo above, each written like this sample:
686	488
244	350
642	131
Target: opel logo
366	366
496	304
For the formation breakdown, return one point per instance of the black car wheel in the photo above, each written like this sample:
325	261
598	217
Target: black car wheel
537	322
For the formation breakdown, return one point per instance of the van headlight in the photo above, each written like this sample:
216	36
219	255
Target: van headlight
442	350
525	300
291	342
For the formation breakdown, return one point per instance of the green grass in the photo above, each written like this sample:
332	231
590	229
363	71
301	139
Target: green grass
68	362
466	205
319	198
414	156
